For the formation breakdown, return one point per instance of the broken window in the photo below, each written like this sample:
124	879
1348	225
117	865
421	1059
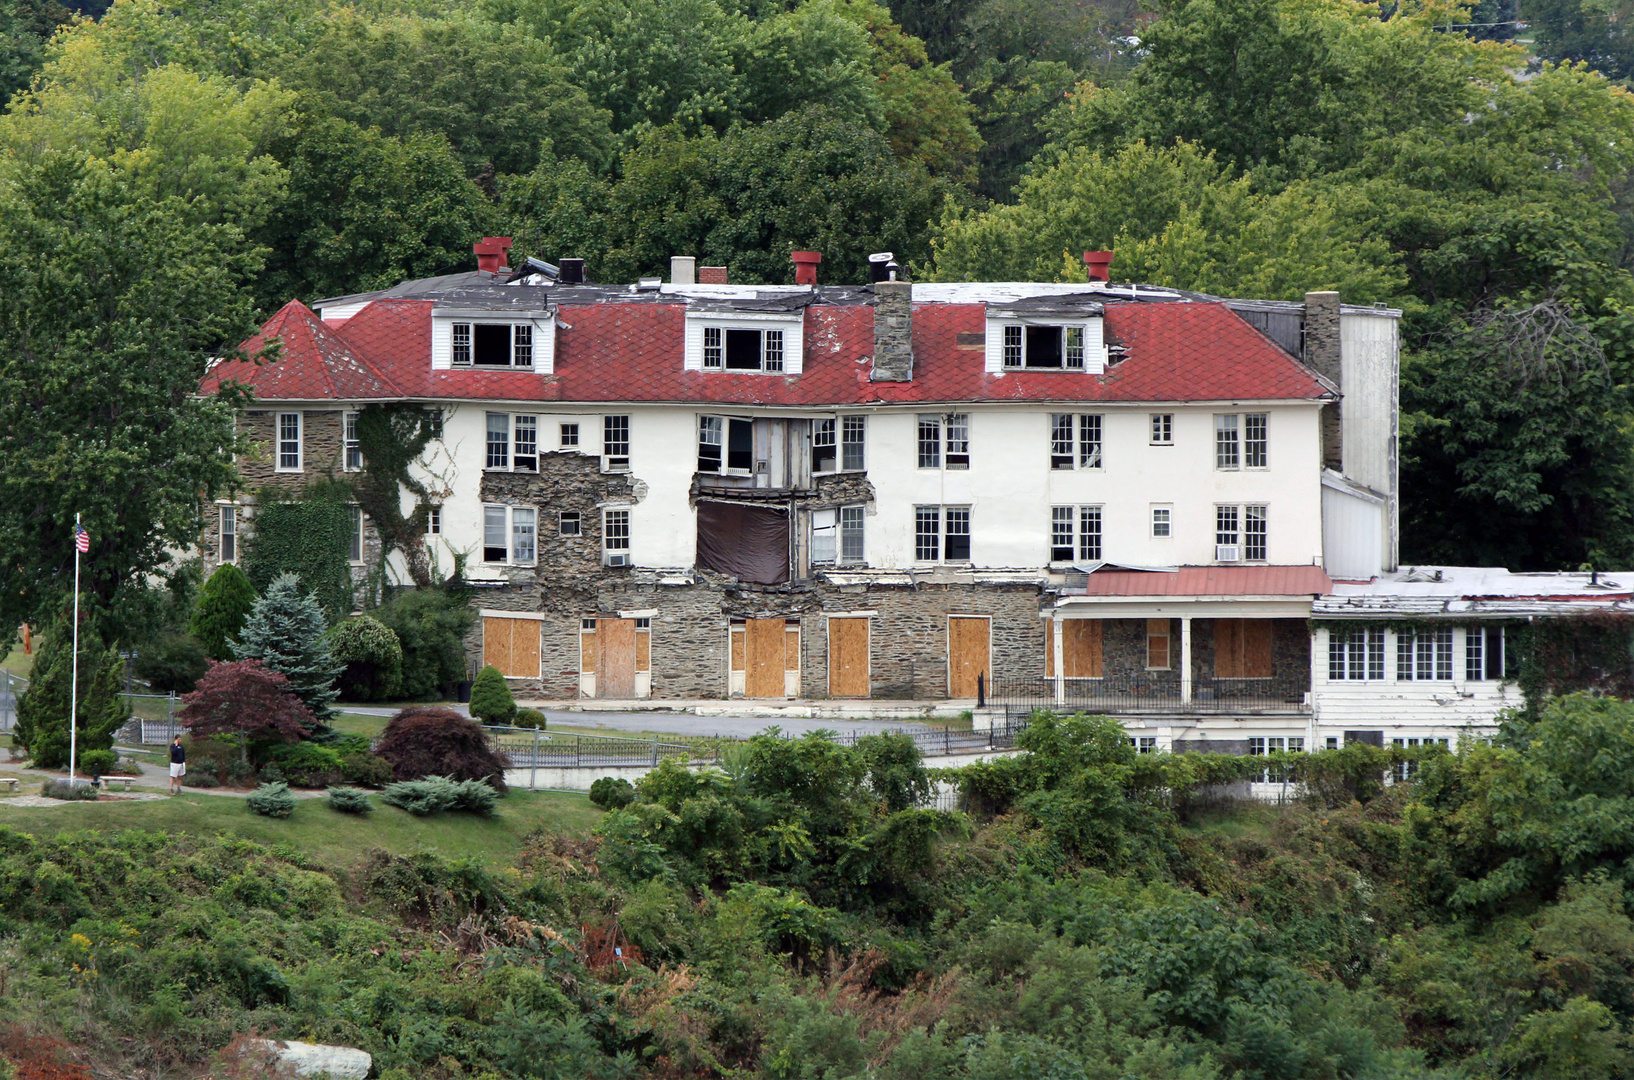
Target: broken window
615	443
568	523
494	547
525	442
930	442
851	448
958	441
510	534
823	446
524	534
615	537
1487	655
742	350
1055	348
725	444
751	543
942	533
493	344
836	535
1075	441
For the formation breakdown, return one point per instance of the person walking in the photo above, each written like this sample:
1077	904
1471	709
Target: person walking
178	764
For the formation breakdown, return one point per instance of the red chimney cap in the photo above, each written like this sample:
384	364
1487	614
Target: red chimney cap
1098	262
491	252
805	266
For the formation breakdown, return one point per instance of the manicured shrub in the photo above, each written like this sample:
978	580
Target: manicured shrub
285	631
475	797
97	762
612	792
430	624
423	741
224	603
491	700
309	765
439	794
272	800
372	656
246	699
362	767
350	800
529	718
61	789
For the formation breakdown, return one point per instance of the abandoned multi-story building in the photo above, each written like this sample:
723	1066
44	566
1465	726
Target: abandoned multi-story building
1118	497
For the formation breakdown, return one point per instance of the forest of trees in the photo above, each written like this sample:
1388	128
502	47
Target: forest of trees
219	157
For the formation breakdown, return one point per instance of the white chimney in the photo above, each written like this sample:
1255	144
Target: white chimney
682	270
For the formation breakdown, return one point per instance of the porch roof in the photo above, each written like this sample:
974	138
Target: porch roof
1269	581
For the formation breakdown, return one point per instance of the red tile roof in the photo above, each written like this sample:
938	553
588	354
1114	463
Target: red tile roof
611	351
313	365
1211	581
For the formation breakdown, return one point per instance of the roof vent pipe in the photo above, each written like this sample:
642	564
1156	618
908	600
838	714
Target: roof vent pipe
572	272
682	270
1098	264
879	265
491	252
805	266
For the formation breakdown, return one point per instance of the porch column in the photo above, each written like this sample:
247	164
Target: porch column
1060	668
1185	659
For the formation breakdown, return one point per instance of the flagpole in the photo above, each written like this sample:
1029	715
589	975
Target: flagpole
73	691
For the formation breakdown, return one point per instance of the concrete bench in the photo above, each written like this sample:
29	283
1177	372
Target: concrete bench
10	782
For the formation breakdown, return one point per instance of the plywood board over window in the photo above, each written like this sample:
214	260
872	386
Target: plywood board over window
1242	648
1080	648
848	657
765	658
512	646
615	660
968	655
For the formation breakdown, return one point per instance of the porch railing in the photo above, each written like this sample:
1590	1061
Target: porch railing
1123	696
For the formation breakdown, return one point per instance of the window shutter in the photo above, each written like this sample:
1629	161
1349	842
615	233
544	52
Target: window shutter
1094	347
544	345
794	347
442	343
692	354
995	346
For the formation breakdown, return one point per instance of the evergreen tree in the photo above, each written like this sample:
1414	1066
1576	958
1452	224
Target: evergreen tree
42	712
491	700
285	631
224	603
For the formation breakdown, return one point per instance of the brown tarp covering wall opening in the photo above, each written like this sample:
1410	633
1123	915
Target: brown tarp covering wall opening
749	542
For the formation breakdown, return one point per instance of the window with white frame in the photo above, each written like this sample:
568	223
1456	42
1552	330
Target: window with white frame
1424	655
733	349
510	534
1059	348
615	537
1162	430
289	442
1241	441
825	450
1240	533
493	344
852	431
513	442
354	534
1404	770
726	444
1075	441
1075	533
944	441
499	441
836	535
568	523
1356	655
434	520
1144	744
352	450
228	548
1259	746
1162	521
569	436
941	533
615	443
1488	655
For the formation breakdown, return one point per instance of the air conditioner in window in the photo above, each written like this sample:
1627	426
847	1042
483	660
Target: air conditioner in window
618	558
1228	553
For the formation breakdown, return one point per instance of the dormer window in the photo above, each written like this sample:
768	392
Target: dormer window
493	345
743	350
743	342
1029	342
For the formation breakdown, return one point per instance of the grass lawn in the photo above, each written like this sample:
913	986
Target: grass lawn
330	838
18	662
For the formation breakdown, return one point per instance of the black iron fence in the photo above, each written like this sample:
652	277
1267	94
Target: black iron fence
1134	695
528	748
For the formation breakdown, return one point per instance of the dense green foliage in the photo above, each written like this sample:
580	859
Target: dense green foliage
491	700
430	625
307	538
248	700
42	711
372	657
612	793
286	632
223	604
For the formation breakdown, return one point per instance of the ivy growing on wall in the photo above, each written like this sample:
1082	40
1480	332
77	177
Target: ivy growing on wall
308	537
392	438
1581	652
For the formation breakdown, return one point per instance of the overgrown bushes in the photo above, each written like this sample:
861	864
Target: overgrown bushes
62	789
424	741
430	625
612	792
372	656
272	800
437	794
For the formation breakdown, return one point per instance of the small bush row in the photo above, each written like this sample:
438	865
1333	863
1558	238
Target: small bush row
439	794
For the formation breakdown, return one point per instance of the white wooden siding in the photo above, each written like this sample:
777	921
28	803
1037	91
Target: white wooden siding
1406	709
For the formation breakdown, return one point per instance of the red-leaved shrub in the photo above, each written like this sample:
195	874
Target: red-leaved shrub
428	741
245	698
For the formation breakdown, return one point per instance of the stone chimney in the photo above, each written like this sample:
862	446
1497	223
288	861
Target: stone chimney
893	332
492	253
1322	355
681	269
712	275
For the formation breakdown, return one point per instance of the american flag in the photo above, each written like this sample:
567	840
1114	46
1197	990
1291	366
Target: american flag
82	539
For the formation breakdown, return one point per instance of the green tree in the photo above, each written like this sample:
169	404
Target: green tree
25	27
112	302
372	657
223	604
42	712
491	700
431	624
1594	33
285	631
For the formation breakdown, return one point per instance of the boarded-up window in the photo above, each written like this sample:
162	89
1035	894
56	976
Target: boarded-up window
737	633
643	644
1242	648
749	542
512	646
1157	644
587	645
765	657
791	648
1080	648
